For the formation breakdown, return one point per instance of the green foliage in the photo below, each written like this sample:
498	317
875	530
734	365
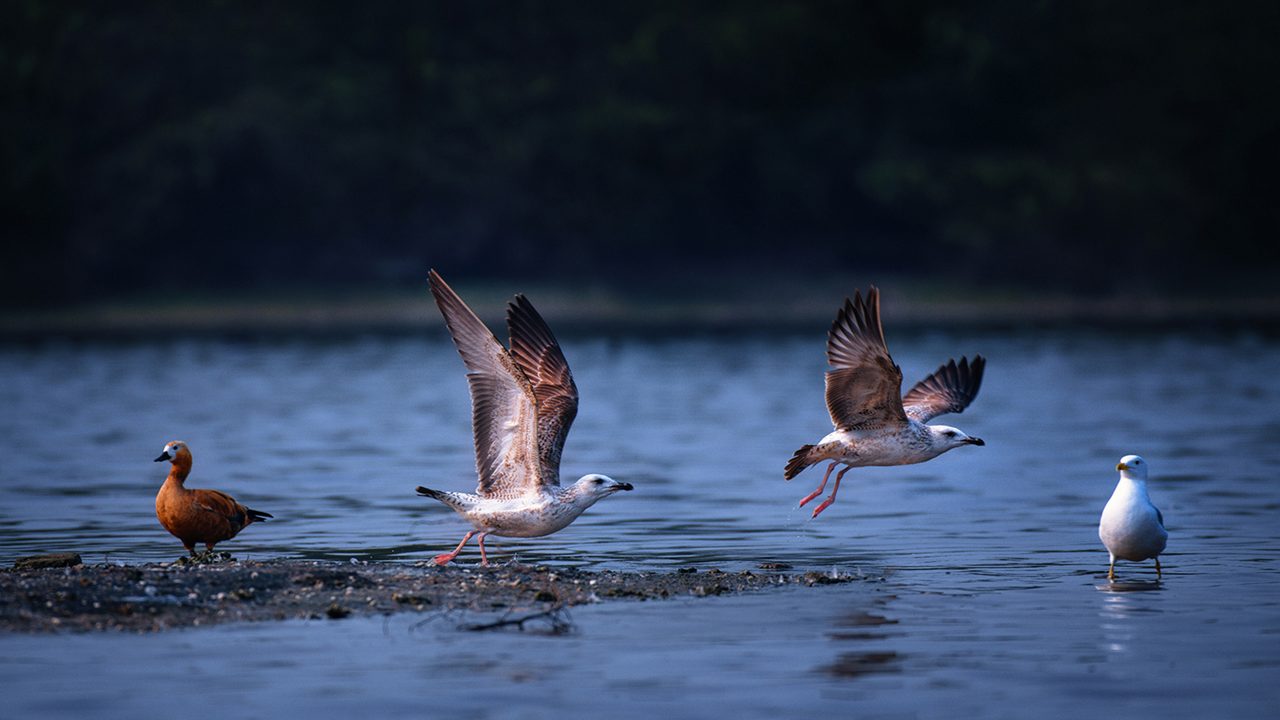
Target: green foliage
226	144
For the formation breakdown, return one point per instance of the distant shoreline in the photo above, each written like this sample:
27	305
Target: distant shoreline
414	314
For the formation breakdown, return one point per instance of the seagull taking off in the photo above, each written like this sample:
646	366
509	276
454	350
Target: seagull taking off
1131	527
873	424
523	401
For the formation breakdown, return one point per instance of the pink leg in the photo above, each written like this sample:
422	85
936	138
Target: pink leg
832	498
484	559
818	492
446	558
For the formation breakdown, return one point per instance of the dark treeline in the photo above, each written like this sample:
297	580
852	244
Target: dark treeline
230	146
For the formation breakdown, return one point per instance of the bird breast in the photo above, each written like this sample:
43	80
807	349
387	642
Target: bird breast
1130	527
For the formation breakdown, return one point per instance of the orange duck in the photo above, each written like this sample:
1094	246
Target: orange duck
197	516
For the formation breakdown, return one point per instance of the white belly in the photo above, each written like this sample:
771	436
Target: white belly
521	518
1131	531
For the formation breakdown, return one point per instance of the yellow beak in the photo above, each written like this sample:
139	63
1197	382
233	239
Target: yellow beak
1121	466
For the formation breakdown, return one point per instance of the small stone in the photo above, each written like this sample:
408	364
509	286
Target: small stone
337	612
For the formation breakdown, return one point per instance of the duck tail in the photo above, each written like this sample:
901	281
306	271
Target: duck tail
257	515
799	462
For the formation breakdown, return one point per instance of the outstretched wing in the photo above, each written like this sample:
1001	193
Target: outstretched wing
949	389
540	359
864	384
503	413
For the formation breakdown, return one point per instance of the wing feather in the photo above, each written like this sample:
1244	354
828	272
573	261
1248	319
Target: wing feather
950	389
539	357
864	383
502	401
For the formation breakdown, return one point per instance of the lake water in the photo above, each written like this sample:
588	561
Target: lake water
994	600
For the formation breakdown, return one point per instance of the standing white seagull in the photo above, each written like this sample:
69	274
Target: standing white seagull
523	401
1131	527
874	425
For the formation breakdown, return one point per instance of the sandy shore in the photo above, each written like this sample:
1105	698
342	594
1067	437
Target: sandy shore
162	596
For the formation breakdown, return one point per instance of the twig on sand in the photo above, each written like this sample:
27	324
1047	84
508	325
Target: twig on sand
556	617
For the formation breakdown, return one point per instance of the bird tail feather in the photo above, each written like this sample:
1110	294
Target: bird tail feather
257	515
799	462
447	498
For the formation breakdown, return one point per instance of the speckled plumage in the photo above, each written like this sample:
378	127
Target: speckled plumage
874	423
523	402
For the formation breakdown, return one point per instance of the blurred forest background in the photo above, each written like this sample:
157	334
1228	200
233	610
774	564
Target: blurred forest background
238	147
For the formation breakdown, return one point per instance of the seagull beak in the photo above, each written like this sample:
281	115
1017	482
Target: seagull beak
1121	467
163	456
976	441
626	486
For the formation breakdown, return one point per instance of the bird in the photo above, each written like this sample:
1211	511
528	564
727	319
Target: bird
874	425
1131	527
523	400
194	515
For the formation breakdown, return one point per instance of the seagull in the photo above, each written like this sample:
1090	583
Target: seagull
873	424
1131	527
523	401
195	515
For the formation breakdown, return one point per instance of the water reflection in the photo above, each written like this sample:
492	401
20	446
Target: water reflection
1118	611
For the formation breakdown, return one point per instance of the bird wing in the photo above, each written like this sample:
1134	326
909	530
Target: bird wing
539	357
864	384
949	389
227	516
503	406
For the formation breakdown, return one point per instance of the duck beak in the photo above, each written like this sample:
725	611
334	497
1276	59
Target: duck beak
976	441
626	486
163	456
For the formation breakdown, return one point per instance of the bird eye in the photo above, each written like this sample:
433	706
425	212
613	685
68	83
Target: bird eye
597	481
950	434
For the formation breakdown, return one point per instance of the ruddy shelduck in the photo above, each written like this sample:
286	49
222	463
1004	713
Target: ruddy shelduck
197	516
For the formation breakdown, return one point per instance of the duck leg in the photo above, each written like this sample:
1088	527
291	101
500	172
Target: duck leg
446	558
818	492
832	498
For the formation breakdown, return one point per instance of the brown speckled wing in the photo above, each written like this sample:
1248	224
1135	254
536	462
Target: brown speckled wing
864	384
503	414
949	389
539	357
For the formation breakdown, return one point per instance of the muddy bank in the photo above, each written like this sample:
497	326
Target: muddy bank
171	595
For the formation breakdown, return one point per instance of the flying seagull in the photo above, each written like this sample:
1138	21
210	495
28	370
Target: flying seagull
873	424
523	401
1131	527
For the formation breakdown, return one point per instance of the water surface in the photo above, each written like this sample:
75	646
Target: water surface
995	595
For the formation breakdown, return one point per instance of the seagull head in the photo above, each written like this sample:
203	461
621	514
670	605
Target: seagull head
595	486
948	437
1133	467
